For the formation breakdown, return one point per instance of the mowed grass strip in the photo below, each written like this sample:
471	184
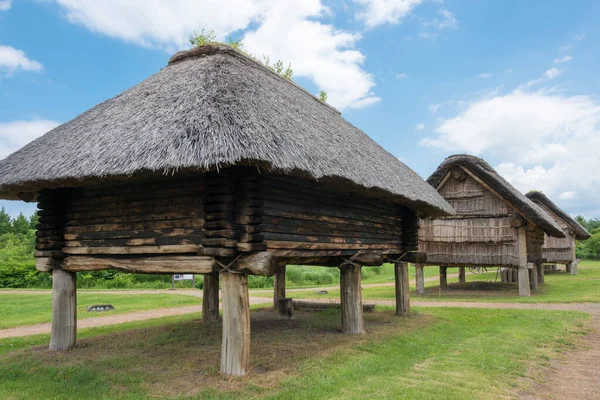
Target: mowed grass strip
27	309
559	287
435	353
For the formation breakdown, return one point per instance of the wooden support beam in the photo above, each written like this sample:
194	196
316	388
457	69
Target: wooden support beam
279	287
523	271
64	310
443	276
285	308
533	278
462	276
235	347
351	296
420	279
540	269
210	298
262	263
143	265
402	289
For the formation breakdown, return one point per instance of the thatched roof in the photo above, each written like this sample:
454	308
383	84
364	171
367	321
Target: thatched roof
213	107
527	208
538	197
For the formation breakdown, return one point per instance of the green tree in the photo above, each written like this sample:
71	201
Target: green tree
34	220
20	225
5	222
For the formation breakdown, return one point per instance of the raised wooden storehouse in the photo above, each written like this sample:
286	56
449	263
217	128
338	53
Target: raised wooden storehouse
560	250
218	166
495	225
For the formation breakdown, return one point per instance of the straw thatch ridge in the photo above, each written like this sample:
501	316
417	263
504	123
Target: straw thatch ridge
209	108
580	232
531	211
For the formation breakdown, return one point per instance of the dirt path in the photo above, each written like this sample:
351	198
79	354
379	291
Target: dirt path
117	319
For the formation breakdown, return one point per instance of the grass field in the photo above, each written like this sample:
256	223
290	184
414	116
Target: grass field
27	309
558	288
449	353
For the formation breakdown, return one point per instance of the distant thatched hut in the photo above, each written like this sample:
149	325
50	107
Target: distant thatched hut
495	225
218	166
560	250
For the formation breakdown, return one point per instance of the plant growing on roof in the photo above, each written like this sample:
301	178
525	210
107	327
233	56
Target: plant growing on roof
323	96
208	36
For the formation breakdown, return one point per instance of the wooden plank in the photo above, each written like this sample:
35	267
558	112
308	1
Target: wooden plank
143	265
272	244
300	305
134	249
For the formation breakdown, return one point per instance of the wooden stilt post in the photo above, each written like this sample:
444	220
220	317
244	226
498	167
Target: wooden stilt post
462	276
533	278
279	287
64	310
351	296
573	269
443	276
540	269
285	308
235	346
402	289
420	277
210	298
524	288
568	267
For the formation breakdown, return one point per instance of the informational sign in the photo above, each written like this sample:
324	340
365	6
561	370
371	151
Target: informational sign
183	277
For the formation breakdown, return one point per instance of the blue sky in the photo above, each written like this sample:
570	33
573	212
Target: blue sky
512	81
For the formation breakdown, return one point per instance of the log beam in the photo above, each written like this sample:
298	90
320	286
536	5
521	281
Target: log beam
420	279
146	265
64	310
351	295
462	276
210	298
279	287
235	346
402	289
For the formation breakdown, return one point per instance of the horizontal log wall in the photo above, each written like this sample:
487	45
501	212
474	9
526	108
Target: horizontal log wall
153	218
305	219
535	241
52	209
482	233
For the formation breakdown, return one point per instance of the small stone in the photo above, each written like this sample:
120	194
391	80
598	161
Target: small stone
322	292
100	308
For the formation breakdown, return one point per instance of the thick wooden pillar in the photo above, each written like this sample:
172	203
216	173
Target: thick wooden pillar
351	295
462	275
420	278
540	271
279	287
64	310
443	276
533	278
402	289
524	286
285	308
210	298
235	346
568	267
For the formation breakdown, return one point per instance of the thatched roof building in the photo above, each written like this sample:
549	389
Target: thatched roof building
216	165
494	225
560	250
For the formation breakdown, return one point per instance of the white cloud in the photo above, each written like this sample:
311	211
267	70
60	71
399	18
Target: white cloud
546	141
16	134
433	108
284	29
12	59
379	12
448	21
567	195
5	5
553	73
562	60
484	75
401	76
420	126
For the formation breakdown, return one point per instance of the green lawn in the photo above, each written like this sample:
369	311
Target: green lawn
436	353
27	309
